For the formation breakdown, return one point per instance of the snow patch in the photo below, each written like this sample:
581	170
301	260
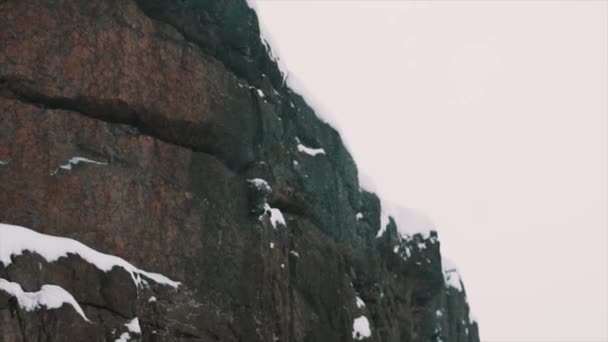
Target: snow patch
259	183
14	240
384	221
272	245
49	297
276	216
309	150
133	326
75	161
361	328
260	93
152	299
452	279
359	216
360	302
294	253
4	162
123	338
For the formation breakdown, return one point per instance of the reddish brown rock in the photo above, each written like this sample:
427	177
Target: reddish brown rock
107	60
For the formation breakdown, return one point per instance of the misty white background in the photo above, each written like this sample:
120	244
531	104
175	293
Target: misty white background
491	117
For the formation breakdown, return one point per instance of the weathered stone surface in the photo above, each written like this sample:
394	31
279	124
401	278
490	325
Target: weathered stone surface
109	61
179	105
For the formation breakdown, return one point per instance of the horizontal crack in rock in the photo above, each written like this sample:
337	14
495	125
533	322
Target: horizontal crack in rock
119	112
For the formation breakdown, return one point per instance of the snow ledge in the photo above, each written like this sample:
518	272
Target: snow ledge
14	240
49	297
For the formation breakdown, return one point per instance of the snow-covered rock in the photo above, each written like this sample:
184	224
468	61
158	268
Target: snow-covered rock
15	240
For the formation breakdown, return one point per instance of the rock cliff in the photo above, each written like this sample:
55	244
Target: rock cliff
159	181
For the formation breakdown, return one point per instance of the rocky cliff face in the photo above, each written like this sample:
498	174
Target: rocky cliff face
162	134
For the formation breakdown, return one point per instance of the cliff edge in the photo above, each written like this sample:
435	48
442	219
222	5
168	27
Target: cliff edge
159	181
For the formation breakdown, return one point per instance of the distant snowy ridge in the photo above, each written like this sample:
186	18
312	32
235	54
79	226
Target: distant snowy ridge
15	240
49	297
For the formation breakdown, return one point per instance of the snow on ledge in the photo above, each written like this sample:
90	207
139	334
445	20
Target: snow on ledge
409	221
276	216
450	274
123	338
14	240
309	150
133	326
361	328
49	297
76	161
260	184
360	303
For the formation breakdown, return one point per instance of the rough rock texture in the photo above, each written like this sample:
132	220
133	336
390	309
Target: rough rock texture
180	104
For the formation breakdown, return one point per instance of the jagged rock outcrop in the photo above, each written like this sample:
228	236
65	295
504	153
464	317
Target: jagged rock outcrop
163	132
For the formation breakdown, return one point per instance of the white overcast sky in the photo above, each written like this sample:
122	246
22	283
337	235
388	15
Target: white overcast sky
491	117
